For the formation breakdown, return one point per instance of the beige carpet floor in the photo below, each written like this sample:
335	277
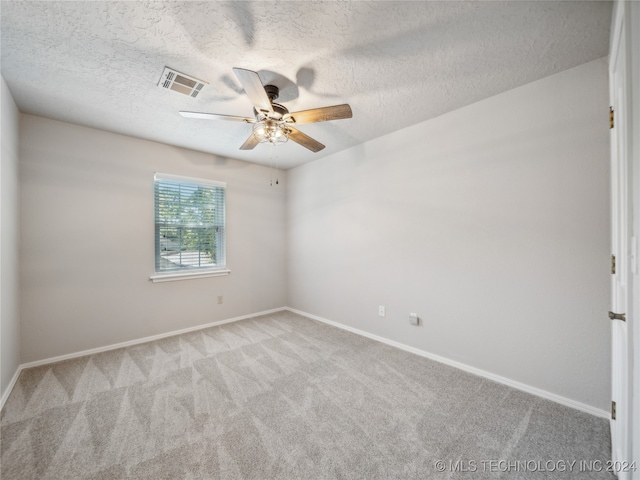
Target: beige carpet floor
285	397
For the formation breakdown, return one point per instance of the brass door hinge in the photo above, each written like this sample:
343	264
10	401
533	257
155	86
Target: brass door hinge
613	410
611	122
613	264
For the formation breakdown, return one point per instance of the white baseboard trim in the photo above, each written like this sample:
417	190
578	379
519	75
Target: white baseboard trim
462	366
129	343
151	338
476	371
9	388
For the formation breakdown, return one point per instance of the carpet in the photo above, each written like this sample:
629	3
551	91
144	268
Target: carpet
281	396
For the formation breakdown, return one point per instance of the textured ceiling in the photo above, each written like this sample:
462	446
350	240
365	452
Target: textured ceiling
396	63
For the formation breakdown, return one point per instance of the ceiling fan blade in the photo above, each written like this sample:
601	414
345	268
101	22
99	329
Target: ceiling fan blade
252	85
215	116
250	143
305	140
336	112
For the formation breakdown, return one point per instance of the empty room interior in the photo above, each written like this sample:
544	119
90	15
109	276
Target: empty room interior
319	240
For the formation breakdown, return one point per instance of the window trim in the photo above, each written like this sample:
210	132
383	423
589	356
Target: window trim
173	276
182	178
169	276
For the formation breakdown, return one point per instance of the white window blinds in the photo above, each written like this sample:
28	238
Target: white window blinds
190	223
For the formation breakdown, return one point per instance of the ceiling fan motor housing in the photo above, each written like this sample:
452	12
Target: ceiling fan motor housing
279	112
272	92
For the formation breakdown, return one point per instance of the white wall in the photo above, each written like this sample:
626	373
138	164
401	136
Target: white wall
88	249
491	222
9	240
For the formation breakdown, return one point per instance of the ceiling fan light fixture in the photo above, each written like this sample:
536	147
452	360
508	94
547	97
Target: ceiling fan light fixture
271	131
273	123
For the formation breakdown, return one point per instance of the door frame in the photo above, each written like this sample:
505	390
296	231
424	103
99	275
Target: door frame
626	21
632	15
620	355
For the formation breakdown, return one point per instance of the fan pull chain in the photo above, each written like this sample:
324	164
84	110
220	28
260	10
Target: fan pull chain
271	168
273	162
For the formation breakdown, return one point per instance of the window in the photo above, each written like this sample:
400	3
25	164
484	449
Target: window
190	227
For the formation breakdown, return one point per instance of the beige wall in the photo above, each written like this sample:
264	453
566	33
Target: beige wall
88	248
9	240
490	222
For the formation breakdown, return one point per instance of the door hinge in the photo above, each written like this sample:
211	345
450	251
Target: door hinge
613	410
611	122
613	264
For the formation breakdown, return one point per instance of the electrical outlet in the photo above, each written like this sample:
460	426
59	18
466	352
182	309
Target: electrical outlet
220	299
413	319
381	310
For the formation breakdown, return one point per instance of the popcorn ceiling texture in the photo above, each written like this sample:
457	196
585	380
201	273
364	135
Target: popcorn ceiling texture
396	63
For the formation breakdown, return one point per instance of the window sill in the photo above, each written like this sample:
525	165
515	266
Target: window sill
173	276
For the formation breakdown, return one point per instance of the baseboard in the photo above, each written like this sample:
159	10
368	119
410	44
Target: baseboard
9	388
151	338
476	371
129	343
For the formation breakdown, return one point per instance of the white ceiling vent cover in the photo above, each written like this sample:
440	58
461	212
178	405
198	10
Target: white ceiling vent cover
180	82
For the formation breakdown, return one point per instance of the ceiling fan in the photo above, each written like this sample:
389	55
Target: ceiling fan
273	123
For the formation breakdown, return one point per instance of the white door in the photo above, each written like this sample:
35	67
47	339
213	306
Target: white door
619	242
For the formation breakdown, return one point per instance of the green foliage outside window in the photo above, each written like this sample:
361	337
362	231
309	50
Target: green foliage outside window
189	225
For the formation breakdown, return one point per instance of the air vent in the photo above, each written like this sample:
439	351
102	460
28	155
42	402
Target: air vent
180	82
